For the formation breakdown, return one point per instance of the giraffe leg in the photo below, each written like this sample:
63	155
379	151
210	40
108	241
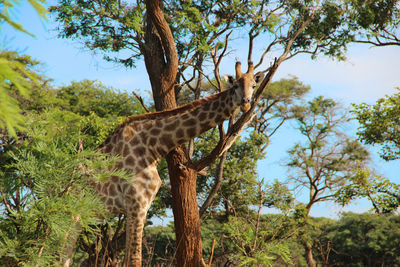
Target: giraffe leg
134	232
146	187
69	246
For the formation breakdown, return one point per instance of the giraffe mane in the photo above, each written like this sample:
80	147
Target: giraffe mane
163	114
170	112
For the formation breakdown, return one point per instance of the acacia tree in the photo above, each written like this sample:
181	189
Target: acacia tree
373	22
327	159
378	125
383	194
177	39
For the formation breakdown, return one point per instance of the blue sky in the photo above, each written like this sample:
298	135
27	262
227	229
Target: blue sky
368	74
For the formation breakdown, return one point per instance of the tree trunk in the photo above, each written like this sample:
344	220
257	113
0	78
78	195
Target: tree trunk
162	64
309	255
185	209
160	57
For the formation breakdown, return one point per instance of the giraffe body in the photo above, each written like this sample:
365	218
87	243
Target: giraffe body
141	141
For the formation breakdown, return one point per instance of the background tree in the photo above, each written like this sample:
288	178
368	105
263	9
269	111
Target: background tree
327	159
43	189
379	125
362	240
14	73
374	22
250	238
383	194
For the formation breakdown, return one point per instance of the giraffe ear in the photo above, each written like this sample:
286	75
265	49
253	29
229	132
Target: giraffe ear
229	79
259	77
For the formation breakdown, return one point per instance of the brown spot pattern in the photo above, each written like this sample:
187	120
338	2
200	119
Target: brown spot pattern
219	118
155	131
190	122
202	116
118	148
142	163
152	141
180	133
191	132
144	137
205	126
227	112
215	105
152	187
166	140
159	124
140	151
111	190
148	194
130	161
110	202
126	151
172	126
135	140
114	179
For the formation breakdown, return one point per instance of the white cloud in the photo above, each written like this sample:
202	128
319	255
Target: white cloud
368	74
333	210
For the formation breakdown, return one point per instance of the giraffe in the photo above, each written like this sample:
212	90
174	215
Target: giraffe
141	141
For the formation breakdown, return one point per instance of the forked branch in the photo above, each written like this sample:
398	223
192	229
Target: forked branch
234	131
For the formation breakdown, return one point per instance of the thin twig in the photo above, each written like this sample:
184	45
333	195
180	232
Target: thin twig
212	252
216	186
141	101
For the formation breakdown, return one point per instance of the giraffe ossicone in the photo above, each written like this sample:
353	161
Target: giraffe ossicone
141	141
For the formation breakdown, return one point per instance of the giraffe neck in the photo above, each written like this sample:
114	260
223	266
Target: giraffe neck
165	134
142	141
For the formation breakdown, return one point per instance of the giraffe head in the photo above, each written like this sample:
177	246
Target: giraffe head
244	84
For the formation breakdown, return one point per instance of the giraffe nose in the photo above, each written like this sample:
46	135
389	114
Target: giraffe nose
245	101
245	104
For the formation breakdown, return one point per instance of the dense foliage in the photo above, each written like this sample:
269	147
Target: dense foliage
361	240
44	188
379	125
15	73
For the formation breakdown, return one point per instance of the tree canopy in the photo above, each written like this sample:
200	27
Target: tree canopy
379	125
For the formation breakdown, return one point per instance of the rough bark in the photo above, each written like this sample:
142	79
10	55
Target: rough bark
160	56
309	255
162	64
186	214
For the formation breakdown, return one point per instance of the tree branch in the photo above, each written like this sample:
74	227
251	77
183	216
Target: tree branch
239	125
216	185
156	15
141	101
